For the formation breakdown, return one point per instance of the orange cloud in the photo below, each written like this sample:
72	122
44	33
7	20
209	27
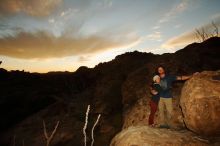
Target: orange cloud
190	37
43	45
179	41
30	7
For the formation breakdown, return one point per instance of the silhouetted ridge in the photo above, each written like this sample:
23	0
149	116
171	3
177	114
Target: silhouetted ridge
110	88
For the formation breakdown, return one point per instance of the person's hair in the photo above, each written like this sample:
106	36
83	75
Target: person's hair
155	77
156	70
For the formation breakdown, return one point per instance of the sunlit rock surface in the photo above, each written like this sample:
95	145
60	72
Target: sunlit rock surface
146	136
200	102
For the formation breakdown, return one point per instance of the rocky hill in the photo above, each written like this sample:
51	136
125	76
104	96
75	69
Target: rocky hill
118	90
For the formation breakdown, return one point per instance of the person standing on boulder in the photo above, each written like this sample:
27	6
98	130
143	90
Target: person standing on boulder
166	81
154	99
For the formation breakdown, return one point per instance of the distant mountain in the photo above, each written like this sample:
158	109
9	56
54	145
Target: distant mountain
111	88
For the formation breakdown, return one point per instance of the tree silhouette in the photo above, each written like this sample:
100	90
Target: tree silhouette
203	34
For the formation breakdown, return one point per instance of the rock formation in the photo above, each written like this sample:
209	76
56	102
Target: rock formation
146	136
118	89
200	102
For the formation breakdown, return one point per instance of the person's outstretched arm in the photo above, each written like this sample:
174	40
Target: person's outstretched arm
183	78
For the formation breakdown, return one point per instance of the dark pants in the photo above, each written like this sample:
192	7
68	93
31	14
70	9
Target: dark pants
153	109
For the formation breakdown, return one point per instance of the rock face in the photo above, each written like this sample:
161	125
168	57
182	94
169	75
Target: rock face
118	90
146	136
138	114
200	102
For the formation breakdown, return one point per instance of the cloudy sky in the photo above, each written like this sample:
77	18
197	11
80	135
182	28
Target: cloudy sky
59	35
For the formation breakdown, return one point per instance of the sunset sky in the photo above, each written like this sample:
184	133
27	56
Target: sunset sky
61	35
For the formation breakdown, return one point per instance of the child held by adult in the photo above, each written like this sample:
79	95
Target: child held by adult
156	89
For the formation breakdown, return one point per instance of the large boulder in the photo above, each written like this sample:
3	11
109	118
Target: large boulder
146	136
200	102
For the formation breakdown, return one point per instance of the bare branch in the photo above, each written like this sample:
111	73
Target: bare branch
203	34
49	138
86	122
215	28
92	134
206	36
45	130
199	35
